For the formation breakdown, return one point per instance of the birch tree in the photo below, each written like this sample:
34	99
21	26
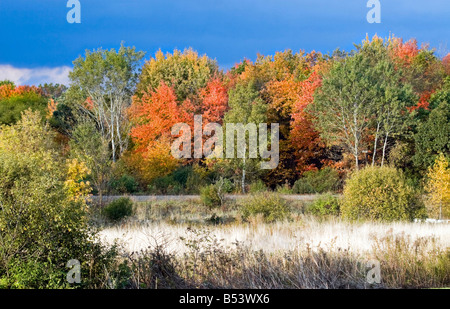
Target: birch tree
343	107
363	97
248	109
104	81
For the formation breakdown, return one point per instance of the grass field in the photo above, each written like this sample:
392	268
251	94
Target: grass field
217	249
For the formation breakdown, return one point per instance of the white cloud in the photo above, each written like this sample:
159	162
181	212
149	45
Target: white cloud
35	76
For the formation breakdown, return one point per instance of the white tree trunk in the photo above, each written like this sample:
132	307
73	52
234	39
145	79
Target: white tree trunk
375	144
384	148
243	177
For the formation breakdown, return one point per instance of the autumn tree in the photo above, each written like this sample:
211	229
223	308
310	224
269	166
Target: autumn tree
173	88
214	98
278	79
446	64
281	66
309	147
438	186
421	68
153	115
280	96
186	72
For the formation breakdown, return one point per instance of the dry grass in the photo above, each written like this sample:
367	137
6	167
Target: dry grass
176	247
333	234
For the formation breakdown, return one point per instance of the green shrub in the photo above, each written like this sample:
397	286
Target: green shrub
257	186
210	196
182	180
322	181
271	205
119	209
224	185
284	189
302	186
182	174
213	195
380	193
325	205
161	185
125	184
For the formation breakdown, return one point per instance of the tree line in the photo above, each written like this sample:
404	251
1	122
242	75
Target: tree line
384	103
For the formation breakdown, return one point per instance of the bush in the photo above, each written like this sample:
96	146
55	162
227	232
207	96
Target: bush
160	185
119	209
43	213
257	186
125	184
284	189
322	181
214	195
210	196
325	205
271	205
224	185
182	174
380	193
183	180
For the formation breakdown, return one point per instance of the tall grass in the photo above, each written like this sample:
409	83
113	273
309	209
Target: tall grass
208	262
187	245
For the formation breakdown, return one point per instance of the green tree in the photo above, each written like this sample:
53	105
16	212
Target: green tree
7	82
245	107
53	91
362	95
103	83
433	136
12	107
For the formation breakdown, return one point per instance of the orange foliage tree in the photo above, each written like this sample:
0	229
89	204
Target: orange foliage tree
309	148
9	90
403	53
421	68
280	96
214	98
153	114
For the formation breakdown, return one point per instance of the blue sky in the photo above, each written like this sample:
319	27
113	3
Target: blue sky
39	45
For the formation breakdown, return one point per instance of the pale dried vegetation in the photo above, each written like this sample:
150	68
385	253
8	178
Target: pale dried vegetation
176	245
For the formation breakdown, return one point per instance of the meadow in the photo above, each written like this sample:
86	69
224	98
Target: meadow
179	244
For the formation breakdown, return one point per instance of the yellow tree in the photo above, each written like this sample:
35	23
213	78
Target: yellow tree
75	184
438	186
